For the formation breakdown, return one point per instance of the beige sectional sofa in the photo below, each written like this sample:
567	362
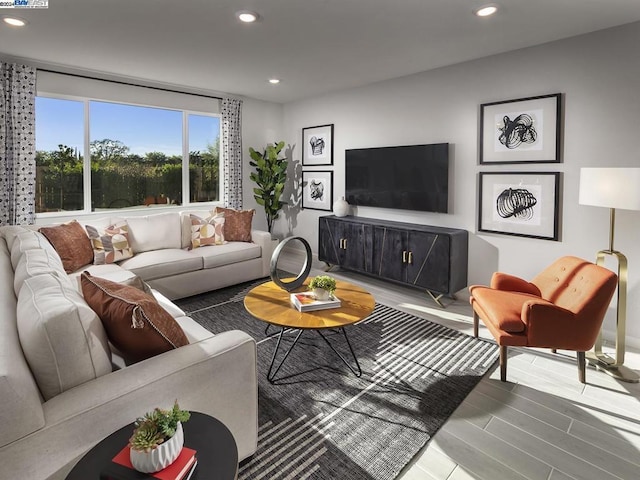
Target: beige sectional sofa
63	389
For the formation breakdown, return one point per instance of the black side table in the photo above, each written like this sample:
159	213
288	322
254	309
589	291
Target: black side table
217	453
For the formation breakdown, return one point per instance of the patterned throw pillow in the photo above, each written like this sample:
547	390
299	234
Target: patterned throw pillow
134	321
237	223
72	244
207	231
111	244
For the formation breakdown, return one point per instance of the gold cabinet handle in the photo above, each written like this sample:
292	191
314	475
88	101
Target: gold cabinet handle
404	256
410	257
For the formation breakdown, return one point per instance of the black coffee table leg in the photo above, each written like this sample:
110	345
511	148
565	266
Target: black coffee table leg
271	376
357	372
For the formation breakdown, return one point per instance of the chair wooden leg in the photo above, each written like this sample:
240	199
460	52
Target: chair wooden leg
582	367
476	320
503	363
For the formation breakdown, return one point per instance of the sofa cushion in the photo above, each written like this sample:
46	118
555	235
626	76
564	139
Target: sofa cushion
20	401
207	231
62	338
135	323
38	262
232	252
155	232
110	244
29	240
237	224
192	329
162	263
10	232
72	244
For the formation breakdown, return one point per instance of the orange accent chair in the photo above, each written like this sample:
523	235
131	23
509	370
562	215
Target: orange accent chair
561	308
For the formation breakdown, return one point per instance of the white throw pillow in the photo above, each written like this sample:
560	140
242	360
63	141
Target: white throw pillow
155	232
63	340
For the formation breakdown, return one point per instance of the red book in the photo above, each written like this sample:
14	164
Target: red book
178	470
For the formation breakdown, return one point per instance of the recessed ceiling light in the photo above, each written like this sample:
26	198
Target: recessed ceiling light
246	16
14	21
274	81
486	10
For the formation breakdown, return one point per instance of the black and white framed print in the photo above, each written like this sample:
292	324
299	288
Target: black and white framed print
317	145
526	130
317	189
525	204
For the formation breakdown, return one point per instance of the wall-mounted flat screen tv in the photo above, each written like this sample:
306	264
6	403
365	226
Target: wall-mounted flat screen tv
412	177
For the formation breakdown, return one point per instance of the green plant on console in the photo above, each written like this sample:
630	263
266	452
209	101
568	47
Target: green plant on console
325	282
270	176
156	427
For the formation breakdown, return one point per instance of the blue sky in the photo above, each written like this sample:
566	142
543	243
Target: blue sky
142	129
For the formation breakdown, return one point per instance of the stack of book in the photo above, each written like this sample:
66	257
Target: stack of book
120	468
306	302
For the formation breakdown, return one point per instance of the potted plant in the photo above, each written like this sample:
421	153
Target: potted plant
323	287
157	439
270	176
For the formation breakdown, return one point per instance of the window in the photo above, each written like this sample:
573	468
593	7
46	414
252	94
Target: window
59	155
138	155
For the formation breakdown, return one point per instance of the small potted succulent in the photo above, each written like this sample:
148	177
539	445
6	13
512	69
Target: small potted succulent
157	439
323	287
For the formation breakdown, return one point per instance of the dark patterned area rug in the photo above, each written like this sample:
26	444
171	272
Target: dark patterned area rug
319	421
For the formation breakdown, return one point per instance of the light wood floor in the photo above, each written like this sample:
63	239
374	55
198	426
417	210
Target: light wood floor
542	424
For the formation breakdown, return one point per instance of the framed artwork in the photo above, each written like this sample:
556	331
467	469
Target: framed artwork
317	145
526	130
525	204
317	190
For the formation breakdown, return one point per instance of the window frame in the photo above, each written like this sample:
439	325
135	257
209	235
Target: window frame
86	164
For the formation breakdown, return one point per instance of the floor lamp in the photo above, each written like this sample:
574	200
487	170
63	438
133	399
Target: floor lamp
612	188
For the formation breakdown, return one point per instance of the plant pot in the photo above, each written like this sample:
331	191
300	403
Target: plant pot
321	294
160	457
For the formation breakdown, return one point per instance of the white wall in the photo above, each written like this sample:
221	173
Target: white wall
261	124
598	75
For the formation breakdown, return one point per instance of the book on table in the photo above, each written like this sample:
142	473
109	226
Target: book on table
306	302
120	468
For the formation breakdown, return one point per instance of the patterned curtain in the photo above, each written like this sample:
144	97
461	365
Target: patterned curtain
17	144
232	152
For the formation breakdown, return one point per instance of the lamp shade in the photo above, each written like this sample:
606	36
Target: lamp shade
610	187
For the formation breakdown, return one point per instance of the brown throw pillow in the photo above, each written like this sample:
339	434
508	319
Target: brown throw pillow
135	323
237	224
72	244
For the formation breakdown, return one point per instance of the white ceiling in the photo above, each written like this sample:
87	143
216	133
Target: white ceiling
314	46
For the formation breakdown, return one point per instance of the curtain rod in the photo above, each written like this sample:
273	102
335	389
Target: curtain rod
128	83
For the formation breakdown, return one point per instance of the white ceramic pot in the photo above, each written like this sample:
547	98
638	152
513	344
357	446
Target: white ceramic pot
341	208
321	294
161	457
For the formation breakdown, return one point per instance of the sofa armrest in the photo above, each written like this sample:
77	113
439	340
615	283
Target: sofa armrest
511	283
267	245
551	326
216	376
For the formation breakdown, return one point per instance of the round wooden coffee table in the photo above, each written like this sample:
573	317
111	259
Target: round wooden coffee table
271	304
215	447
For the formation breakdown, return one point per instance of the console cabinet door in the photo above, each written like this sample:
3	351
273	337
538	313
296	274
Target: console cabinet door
389	253
342	243
428	262
353	246
329	243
